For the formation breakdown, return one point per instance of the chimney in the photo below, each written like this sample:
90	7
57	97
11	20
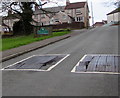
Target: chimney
67	2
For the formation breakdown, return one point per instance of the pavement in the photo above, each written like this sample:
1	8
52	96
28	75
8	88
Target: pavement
60	81
14	52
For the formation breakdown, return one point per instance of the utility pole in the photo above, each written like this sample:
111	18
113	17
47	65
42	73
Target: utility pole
92	14
87	16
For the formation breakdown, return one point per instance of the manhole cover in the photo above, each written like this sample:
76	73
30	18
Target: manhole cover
38	62
98	64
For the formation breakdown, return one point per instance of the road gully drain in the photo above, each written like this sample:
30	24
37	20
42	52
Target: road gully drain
98	64
38	62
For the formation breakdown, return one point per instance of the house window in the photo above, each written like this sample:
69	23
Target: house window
36	16
42	15
43	23
64	17
68	11
78	10
79	19
56	20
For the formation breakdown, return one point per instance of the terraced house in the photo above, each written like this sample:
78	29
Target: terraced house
72	12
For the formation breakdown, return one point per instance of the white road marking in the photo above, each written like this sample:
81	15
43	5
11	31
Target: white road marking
58	62
17	62
73	70
50	68
97	72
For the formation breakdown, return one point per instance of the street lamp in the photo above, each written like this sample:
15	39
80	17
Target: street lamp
92	14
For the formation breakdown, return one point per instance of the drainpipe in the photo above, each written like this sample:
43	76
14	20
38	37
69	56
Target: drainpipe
113	17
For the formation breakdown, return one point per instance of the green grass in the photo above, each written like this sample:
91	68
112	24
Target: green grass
8	43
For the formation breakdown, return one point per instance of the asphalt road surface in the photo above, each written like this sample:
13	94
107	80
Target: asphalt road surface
60	81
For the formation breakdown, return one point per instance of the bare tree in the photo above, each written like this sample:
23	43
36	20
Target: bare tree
24	12
115	3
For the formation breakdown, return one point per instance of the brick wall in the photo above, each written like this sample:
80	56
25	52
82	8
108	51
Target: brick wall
74	25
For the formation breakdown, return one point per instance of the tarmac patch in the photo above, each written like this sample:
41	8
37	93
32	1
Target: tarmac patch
98	63
38	62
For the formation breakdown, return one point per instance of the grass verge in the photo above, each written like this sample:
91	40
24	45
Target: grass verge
8	43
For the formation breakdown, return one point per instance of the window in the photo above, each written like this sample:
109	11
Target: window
36	16
42	15
78	10
42	24
79	19
56	20
68	11
64	17
82	18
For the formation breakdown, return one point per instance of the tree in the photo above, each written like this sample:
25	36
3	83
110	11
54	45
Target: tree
23	11
23	26
116	3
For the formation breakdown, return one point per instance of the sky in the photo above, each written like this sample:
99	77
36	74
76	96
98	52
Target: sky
100	8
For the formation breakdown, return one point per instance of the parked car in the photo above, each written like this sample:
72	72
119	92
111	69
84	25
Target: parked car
4	30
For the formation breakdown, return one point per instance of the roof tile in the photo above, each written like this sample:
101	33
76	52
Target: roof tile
114	11
75	5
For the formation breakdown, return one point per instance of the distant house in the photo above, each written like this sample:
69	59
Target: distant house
113	16
98	24
104	21
10	20
52	15
72	12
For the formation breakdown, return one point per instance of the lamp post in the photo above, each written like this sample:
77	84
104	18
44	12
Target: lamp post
92	14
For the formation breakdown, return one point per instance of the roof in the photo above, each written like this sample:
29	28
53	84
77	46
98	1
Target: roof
61	8
99	23
75	5
114	11
11	16
50	9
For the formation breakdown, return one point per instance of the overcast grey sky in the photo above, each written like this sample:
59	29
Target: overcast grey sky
100	8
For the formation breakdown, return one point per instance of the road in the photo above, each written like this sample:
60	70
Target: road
60	81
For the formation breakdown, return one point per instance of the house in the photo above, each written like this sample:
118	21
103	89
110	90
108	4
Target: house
104	21
72	12
4	29
98	24
79	11
10	20
52	15
114	16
